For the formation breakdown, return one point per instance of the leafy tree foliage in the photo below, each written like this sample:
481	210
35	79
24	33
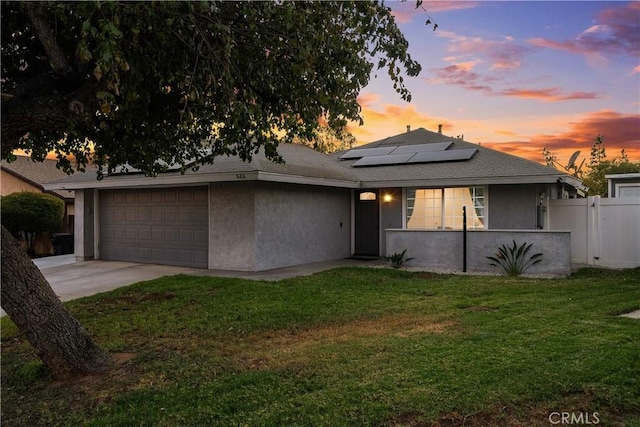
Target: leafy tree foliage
328	141
595	177
155	83
598	167
598	152
550	159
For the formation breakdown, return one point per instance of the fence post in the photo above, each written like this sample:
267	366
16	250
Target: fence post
593	231
464	239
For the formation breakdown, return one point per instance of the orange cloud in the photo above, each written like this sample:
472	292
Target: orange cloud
620	131
392	120
366	99
549	94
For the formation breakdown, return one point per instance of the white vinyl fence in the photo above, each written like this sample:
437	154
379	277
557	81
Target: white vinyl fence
604	231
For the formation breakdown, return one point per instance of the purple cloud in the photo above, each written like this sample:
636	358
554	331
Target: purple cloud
461	75
617	32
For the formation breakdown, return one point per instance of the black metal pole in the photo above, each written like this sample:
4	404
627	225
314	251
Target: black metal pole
464	239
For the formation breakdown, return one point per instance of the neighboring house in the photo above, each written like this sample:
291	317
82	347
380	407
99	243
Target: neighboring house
406	191
624	185
24	174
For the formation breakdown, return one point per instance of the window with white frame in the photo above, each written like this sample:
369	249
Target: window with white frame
441	208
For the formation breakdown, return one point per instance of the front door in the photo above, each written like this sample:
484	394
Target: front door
367	223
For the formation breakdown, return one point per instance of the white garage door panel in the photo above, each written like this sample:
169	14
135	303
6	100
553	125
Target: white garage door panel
167	226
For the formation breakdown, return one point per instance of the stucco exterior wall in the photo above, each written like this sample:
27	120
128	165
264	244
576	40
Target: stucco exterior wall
443	249
232	226
297	224
84	224
512	207
11	184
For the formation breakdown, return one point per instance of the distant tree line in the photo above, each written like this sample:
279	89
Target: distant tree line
599	166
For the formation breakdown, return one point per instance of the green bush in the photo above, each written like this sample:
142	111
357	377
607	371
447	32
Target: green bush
29	212
396	260
513	259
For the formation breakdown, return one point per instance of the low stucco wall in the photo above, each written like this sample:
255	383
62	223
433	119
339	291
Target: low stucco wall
443	249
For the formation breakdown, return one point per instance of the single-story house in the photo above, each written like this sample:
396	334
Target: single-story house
405	191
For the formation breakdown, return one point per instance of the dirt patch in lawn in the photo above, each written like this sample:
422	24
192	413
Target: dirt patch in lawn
119	367
275	348
138	297
399	325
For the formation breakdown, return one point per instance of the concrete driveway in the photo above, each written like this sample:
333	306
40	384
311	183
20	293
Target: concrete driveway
72	279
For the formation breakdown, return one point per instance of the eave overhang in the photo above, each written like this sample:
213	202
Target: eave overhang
138	181
465	181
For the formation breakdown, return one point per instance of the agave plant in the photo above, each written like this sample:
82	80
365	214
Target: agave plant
396	260
515	259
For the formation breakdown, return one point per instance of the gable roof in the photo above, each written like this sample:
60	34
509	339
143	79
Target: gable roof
303	165
486	166
37	173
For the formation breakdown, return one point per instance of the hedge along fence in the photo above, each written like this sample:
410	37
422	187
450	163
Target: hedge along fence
26	214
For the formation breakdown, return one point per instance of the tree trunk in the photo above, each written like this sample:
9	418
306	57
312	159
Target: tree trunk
59	340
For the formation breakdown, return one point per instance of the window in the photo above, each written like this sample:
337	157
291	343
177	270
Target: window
441	208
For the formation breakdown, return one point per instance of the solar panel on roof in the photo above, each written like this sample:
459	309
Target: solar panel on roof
443	156
390	159
364	152
418	148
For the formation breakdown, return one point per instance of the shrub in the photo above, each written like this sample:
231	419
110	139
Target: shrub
396	260
27	213
513	259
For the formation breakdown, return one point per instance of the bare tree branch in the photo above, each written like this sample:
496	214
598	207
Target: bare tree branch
47	38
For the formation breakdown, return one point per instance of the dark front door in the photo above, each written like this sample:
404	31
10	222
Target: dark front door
367	223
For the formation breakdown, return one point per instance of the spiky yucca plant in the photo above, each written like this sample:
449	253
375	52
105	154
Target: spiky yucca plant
396	260
513	258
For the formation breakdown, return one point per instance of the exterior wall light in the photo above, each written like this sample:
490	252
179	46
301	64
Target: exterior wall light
387	198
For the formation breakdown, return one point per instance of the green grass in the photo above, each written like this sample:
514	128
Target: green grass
362	347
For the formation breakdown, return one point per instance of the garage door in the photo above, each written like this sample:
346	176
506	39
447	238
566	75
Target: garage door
168	226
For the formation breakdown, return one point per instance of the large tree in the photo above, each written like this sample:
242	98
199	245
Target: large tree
148	84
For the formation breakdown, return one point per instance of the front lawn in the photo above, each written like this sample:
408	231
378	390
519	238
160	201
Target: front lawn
350	346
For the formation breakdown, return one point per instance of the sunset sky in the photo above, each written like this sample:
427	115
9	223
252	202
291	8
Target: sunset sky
516	76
